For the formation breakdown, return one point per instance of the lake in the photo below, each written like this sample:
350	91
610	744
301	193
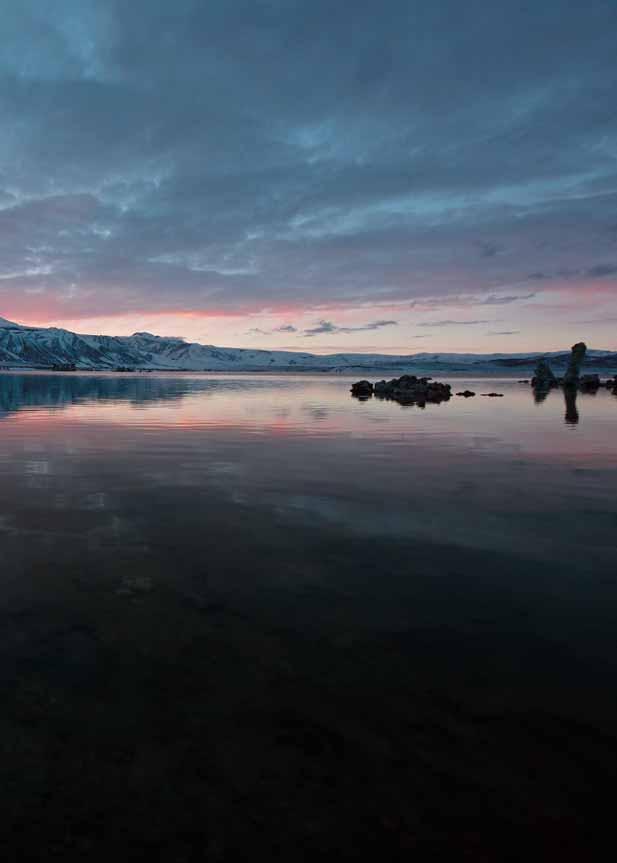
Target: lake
248	614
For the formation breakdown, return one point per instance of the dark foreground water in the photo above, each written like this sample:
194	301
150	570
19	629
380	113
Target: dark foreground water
252	617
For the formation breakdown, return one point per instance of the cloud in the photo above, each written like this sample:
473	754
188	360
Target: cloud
601	270
502	301
451	323
606	319
489	250
284	328
237	162
597	271
503	332
327	328
462	300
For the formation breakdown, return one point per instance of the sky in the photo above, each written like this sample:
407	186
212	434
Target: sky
396	176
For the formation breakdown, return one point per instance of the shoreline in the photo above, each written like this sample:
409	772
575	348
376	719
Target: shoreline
459	373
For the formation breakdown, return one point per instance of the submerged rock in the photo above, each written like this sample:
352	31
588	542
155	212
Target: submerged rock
467	394
492	395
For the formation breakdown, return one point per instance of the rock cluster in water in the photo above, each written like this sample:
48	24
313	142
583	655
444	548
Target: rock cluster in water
544	379
407	390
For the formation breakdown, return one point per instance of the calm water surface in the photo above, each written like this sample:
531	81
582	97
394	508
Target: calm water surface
257	598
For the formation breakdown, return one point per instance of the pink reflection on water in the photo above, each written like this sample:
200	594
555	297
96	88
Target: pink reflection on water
313	407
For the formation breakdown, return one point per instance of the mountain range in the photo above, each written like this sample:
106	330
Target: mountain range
29	347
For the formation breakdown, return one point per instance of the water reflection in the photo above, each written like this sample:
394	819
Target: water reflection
23	391
570	394
308	407
256	578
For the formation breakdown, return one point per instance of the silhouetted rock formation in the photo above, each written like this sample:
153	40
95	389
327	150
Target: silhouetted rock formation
362	389
407	389
467	394
543	378
589	383
572	373
492	395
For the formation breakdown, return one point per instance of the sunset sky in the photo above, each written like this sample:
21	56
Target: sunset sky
319	176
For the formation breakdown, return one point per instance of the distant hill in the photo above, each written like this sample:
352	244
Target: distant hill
45	347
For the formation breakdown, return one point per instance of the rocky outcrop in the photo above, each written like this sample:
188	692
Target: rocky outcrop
543	378
362	389
589	383
570	379
492	395
408	389
611	384
467	394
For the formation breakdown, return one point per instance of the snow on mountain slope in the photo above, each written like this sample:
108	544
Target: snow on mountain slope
40	347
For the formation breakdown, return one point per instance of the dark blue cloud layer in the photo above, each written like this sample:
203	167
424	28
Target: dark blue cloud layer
252	155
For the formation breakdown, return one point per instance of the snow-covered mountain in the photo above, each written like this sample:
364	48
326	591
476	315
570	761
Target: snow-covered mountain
44	347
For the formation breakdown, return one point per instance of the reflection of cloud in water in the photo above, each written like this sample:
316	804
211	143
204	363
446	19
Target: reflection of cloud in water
225	468
24	391
317	413
254	409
